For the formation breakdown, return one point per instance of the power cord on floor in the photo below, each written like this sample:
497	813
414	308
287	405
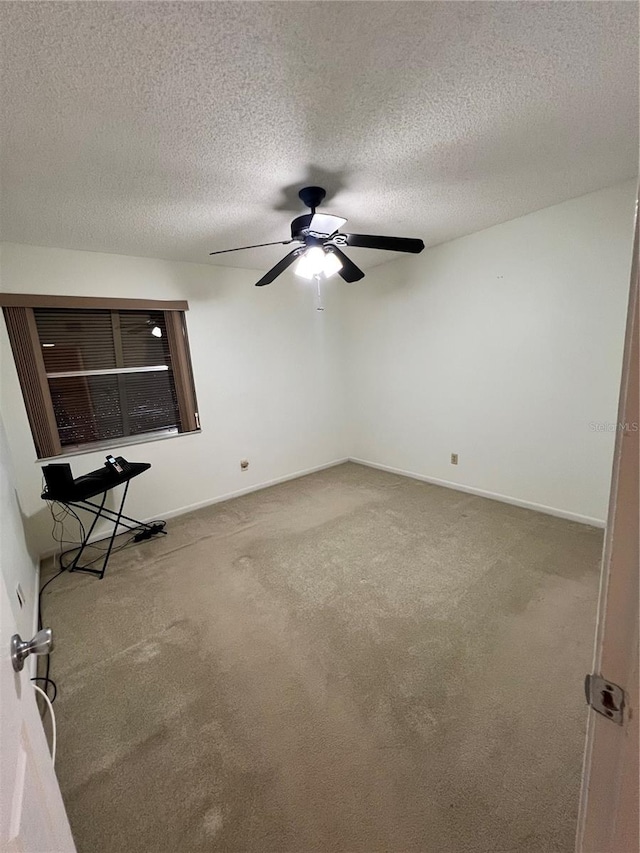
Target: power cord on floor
47	670
53	721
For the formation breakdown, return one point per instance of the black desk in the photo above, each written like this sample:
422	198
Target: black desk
76	493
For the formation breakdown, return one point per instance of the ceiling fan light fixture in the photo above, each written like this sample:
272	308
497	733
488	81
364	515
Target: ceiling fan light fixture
316	261
311	263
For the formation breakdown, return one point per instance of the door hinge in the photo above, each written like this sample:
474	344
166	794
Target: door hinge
605	697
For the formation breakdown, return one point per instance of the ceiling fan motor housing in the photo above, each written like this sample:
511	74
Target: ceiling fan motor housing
300	226
312	196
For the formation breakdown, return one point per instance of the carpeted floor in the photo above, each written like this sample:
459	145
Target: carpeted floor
351	662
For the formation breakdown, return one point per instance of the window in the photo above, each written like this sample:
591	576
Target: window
96	371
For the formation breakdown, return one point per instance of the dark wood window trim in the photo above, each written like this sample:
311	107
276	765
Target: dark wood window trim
25	343
179	346
26	346
41	300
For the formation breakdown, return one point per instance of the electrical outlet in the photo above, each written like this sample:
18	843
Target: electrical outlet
454	458
244	464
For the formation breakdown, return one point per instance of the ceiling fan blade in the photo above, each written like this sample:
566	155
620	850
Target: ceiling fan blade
389	244
349	272
324	224
256	246
280	267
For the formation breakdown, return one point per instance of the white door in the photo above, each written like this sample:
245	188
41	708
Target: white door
609	814
33	819
32	815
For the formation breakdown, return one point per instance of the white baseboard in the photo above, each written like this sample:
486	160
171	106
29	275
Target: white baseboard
483	493
173	513
255	488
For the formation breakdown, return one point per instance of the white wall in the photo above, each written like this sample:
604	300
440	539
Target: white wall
18	563
267	367
504	347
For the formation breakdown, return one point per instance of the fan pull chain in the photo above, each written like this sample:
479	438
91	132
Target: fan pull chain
319	306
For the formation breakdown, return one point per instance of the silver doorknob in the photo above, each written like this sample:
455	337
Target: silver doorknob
41	644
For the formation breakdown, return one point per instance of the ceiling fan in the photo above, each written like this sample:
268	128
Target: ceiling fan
320	254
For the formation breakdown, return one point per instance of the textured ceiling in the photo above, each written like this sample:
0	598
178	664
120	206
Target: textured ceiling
173	129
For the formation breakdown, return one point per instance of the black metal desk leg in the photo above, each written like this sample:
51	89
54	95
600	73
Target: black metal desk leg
114	533
110	513
74	564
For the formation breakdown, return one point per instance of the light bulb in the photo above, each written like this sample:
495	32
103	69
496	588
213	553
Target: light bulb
156	332
311	263
332	264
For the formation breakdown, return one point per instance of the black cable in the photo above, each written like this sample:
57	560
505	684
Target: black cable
58	519
42	589
70	509
46	689
103	548
99	547
100	556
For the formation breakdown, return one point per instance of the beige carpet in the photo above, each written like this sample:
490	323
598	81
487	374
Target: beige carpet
352	662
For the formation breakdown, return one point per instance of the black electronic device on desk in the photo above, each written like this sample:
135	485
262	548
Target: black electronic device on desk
62	487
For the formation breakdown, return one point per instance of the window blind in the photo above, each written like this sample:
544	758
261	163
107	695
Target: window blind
100	369
110	373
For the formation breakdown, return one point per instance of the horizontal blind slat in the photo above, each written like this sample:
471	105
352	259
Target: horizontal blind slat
109	371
